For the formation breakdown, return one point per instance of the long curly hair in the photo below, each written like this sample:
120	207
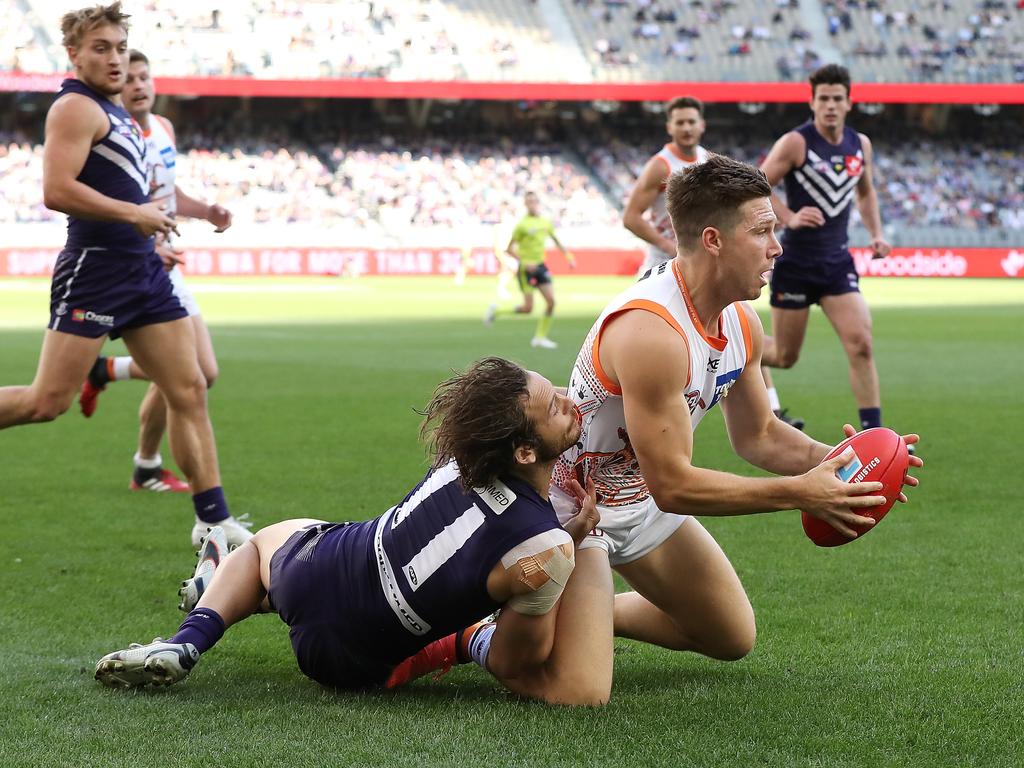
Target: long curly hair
479	418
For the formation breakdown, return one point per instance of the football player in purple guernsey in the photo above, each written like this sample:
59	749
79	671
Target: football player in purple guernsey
377	603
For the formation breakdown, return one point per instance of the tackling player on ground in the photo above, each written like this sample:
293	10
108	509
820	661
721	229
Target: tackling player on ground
377	603
825	165
149	472
109	279
527	247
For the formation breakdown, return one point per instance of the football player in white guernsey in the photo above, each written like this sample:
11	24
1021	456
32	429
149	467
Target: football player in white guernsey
139	95
684	123
658	358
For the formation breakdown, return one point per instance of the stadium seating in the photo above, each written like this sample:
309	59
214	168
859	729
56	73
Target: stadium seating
940	40
630	40
932	192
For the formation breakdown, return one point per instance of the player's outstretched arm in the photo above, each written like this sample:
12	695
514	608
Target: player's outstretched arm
644	193
786	154
756	434
73	124
643	354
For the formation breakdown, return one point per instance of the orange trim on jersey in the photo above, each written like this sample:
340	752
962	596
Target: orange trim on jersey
668	167
646	306
715	342
675	150
748	342
169	128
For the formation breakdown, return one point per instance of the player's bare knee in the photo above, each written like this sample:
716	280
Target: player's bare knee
785	357
48	406
860	346
737	641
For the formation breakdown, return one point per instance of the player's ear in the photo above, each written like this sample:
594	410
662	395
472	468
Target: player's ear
711	239
525	454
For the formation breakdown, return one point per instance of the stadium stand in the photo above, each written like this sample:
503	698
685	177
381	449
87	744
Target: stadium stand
602	40
981	41
943	191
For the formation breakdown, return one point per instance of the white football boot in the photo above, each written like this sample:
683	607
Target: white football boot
543	343
213	550
236	530
157	663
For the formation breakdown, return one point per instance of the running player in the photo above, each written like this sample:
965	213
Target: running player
825	165
109	280
149	473
527	247
684	123
477	533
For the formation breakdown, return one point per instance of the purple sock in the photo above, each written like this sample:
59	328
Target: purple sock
211	507
870	417
203	627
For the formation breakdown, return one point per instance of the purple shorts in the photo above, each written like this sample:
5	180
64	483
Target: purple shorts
326	588
797	286
95	292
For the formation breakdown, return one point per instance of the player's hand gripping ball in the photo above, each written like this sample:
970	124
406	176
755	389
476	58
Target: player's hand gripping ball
880	456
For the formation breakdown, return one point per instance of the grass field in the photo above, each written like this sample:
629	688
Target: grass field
902	649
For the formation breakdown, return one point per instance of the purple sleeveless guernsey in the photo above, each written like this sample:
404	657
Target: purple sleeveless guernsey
116	167
827	180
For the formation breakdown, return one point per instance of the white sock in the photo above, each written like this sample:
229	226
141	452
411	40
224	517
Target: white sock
121	369
773	399
142	463
480	644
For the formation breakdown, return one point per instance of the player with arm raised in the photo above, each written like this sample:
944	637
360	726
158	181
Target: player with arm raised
360	599
659	357
149	473
684	123
826	165
109	280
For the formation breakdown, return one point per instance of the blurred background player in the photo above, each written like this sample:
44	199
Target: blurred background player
377	603
149	473
684	123
825	164
527	246
109	280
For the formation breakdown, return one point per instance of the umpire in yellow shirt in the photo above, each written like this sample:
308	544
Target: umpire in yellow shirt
527	247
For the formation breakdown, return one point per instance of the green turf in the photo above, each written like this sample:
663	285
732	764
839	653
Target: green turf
902	649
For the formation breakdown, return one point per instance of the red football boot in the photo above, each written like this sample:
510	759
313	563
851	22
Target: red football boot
164	481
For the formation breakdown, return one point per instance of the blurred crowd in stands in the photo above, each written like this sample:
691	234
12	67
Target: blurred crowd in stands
949	40
399	189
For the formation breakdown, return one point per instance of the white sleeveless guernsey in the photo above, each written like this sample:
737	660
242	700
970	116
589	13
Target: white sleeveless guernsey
162	155
604	452
670	155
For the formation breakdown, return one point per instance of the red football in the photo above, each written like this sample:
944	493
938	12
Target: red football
880	456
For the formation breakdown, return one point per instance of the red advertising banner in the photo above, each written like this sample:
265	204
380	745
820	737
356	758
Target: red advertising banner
224	262
364	88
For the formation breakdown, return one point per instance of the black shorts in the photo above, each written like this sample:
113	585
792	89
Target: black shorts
318	588
533	275
796	286
95	292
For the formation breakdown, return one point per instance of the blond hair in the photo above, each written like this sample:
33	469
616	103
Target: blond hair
75	24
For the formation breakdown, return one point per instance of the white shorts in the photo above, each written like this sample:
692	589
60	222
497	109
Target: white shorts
626	535
184	293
